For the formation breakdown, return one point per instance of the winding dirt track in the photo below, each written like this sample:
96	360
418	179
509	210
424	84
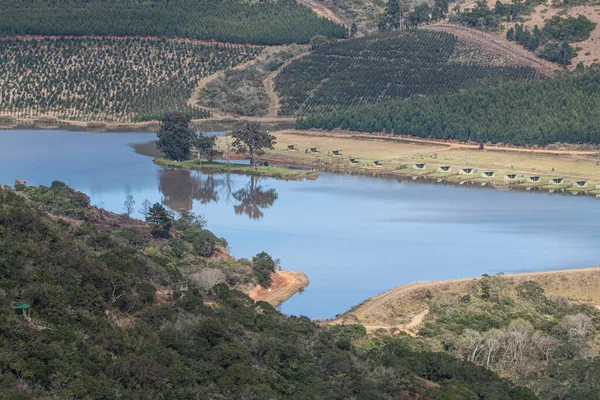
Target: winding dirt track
269	84
504	48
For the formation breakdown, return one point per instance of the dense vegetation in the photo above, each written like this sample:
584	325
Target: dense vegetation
552	41
382	67
265	23
104	324
242	91
514	329
563	109
107	79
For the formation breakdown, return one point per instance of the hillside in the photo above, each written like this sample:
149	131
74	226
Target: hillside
264	23
107	79
109	318
389	66
529	14
482	319
563	109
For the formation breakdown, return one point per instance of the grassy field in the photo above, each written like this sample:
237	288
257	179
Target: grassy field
213	167
397	156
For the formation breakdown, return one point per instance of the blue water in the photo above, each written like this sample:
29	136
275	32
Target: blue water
354	237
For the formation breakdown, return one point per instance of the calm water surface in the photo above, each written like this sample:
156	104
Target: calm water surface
353	236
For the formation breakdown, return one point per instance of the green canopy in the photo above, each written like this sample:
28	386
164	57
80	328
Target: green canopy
21	306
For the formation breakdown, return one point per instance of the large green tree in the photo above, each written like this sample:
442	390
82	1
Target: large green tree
249	139
175	137
205	145
263	266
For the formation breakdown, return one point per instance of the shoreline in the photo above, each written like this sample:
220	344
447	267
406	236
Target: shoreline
243	169
397	157
285	284
212	124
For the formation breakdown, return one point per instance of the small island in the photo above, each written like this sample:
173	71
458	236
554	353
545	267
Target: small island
179	143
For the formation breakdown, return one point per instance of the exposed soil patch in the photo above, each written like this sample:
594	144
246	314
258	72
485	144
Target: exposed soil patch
284	285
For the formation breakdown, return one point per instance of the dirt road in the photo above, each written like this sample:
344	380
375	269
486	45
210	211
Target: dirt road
284	285
504	48
321	10
269	84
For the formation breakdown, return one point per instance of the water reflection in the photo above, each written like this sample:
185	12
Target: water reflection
253	198
180	188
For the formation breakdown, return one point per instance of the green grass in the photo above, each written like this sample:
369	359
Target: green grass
213	167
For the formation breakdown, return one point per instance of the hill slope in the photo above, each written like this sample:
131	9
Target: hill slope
102	326
265	23
389	66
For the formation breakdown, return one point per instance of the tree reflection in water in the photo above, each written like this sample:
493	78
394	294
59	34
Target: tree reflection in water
253	198
181	187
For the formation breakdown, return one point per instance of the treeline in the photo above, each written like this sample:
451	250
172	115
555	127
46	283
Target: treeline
264	23
107	79
103	324
387	66
563	109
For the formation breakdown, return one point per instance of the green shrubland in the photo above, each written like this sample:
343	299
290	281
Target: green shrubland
103	326
515	330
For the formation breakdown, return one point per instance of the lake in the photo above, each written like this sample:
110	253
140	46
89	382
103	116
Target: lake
353	236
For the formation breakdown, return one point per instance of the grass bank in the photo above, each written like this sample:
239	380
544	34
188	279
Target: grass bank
357	154
221	168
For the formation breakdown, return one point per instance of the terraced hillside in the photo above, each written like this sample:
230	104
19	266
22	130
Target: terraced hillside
93	79
265	23
389	66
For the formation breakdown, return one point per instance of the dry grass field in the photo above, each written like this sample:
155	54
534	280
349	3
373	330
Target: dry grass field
397	155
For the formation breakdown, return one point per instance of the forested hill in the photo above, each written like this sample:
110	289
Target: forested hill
389	66
103	326
237	21
564	109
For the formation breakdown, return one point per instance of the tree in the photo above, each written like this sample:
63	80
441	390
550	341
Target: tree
161	220
145	208
205	145
353	29
420	14
175	137
249	139
263	266
128	205
393	16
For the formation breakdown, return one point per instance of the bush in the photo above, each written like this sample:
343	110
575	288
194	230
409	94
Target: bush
263	266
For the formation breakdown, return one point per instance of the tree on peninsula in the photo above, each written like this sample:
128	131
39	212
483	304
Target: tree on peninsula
175	138
250	139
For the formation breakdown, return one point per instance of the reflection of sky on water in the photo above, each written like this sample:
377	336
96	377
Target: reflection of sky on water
353	236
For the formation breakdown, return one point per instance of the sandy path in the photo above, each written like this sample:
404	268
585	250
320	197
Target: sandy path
285	285
269	84
502	47
321	10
